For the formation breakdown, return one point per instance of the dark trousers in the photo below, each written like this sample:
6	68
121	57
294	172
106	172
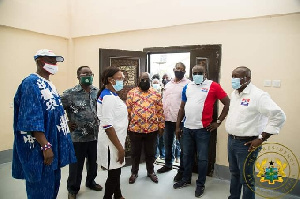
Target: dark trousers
112	184
83	150
149	140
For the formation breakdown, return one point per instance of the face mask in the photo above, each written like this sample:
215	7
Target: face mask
179	74
86	80
198	79
52	69
165	81
156	87
144	85
119	85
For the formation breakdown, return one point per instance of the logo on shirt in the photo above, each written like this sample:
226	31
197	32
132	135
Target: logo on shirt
245	102
204	90
272	166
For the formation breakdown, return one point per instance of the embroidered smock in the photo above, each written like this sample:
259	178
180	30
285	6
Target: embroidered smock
37	107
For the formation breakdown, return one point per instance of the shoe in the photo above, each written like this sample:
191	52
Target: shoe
153	177
199	191
132	178
95	187
178	176
71	195
180	184
164	169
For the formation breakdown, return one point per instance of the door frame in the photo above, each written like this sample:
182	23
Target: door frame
213	71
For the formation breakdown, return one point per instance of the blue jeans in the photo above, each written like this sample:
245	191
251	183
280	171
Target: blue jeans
195	140
237	155
170	144
160	149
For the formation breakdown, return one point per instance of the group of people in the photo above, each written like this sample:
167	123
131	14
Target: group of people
98	122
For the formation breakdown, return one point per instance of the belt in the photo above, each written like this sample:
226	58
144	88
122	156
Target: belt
243	137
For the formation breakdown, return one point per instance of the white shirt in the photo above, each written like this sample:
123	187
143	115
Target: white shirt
112	112
252	112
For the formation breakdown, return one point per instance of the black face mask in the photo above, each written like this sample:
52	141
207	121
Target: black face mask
144	85
179	74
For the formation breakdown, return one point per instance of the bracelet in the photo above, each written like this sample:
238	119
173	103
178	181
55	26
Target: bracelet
47	146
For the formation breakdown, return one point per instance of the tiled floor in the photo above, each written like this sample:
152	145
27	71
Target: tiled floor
144	188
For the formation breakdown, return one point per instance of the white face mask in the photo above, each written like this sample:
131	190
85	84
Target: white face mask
51	68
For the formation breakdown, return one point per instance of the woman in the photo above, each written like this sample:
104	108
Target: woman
112	113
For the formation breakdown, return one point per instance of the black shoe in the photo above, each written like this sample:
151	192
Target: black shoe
71	195
95	187
164	169
199	191
180	184
178	176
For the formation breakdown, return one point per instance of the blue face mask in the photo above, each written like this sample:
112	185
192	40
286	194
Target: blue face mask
198	79
119	85
236	83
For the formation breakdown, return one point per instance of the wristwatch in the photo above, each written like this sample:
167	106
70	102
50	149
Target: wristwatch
219	121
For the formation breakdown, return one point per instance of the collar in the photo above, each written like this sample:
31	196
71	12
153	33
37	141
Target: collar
246	90
183	79
79	88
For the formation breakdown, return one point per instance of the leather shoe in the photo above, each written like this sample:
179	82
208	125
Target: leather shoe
164	169
132	178
71	195
153	177
96	187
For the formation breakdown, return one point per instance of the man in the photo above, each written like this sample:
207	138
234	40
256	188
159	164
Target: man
42	142
171	103
146	119
80	105
198	98
253	117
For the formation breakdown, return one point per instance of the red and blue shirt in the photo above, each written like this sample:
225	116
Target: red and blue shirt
199	103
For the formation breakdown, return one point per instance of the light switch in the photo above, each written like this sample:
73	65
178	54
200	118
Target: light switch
276	83
267	83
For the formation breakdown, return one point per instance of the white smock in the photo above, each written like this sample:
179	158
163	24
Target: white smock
112	113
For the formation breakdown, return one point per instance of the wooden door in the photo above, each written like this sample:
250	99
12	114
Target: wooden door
131	63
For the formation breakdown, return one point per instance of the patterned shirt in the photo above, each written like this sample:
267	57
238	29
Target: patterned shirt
37	107
81	110
145	110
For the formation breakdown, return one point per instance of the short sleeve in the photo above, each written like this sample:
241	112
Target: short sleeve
183	95
220	93
108	102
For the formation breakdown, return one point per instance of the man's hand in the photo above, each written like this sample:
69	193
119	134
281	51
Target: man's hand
213	126
178	132
121	156
72	126
254	144
48	156
160	131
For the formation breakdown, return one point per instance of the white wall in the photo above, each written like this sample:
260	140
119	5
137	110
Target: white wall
269	46
95	17
17	48
50	17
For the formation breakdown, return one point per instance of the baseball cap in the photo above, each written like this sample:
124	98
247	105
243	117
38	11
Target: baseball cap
47	53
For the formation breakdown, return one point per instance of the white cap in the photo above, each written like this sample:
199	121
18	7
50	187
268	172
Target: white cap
47	53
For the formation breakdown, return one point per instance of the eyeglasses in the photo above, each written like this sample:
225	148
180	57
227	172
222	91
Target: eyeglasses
198	73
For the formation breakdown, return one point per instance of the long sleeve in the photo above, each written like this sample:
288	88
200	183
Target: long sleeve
160	113
276	116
